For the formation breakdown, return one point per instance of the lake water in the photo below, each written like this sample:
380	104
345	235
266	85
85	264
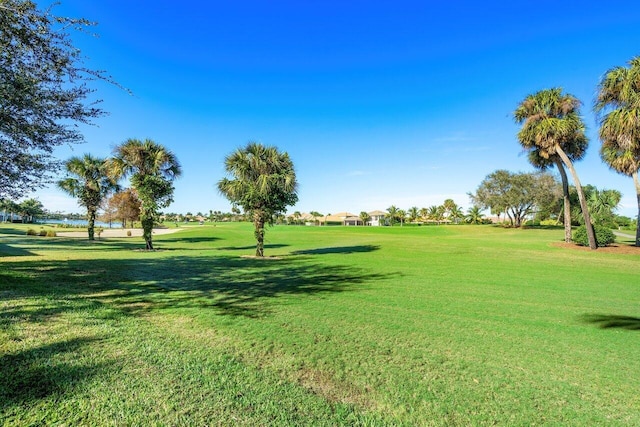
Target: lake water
79	222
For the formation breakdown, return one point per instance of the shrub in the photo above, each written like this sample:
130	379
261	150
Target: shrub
604	236
51	233
32	232
42	233
128	233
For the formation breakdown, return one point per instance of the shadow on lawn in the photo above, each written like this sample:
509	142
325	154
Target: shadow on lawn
37	373
246	248
228	285
338	250
610	321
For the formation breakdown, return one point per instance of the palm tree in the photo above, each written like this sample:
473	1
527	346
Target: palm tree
551	124
264	183
413	213
364	217
474	215
393	214
619	97
602	204
575	152
424	214
89	181
315	215
152	168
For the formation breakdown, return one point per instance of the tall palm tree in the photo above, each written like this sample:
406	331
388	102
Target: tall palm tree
152	168
551	124
89	181
619	97
575	152
315	215
264	183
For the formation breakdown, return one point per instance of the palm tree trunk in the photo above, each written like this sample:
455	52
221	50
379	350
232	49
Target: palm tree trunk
593	244
636	181
566	201
92	222
147	230
258	222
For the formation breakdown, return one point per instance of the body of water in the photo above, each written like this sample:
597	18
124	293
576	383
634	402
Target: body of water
80	222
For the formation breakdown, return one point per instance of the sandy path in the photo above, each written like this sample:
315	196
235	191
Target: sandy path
117	232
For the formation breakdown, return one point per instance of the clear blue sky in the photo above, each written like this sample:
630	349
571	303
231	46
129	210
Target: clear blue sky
377	103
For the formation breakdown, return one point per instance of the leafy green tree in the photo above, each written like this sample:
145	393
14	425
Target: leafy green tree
551	125
519	194
264	184
152	169
30	209
90	182
43	93
618	105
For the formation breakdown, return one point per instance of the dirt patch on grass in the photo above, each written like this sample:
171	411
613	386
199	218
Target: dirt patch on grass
614	249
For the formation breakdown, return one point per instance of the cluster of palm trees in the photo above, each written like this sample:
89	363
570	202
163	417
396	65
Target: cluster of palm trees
553	133
151	167
447	212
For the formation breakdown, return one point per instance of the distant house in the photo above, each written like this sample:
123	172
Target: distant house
377	218
341	218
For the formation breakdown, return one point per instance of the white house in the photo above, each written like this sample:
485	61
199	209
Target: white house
377	218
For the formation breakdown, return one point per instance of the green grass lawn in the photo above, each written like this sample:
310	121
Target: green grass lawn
437	325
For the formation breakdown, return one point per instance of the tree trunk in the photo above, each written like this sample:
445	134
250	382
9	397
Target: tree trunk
147	230
593	244
566	201
637	183
92	222
258	222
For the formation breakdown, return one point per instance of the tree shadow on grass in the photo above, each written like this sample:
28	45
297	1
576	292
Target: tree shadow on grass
612	321
338	250
227	285
40	372
246	248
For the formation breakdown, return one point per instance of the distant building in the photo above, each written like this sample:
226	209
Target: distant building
377	218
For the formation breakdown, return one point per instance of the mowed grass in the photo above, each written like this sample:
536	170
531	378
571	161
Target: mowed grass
437	325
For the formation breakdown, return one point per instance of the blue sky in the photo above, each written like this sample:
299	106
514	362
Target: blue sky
378	103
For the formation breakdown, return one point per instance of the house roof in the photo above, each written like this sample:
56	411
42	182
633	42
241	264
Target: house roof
378	213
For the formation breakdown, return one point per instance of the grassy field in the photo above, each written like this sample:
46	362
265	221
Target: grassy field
438	325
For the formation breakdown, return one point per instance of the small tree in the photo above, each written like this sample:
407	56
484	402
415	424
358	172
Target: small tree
263	183
152	168
127	206
30	209
90	182
364	217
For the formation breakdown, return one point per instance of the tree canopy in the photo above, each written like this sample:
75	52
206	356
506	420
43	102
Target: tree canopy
43	93
516	194
618	104
263	181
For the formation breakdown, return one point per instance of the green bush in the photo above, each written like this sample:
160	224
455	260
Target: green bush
51	233
42	233
128	233
604	236
32	232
